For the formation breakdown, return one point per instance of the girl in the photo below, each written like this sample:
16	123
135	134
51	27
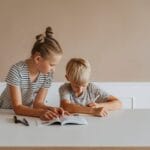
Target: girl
28	81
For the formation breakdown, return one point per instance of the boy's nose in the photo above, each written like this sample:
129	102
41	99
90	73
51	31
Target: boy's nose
80	89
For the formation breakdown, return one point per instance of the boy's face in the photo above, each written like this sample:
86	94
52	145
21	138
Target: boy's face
78	89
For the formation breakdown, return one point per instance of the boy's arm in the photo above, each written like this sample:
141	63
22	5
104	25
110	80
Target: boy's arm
75	108
112	103
104	99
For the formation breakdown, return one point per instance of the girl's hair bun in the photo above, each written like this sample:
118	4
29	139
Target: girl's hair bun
49	32
40	38
46	44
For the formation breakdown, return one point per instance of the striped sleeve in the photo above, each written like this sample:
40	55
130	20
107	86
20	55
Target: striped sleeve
13	76
48	80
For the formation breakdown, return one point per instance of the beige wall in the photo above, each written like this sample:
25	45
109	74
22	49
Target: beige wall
113	34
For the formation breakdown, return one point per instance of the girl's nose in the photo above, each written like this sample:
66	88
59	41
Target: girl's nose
53	69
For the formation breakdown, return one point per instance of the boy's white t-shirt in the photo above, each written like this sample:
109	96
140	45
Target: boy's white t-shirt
18	75
91	94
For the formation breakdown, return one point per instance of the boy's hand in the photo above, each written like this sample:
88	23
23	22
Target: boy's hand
58	110
101	112
92	104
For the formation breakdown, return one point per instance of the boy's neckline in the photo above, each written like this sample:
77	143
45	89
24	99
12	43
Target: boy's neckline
81	95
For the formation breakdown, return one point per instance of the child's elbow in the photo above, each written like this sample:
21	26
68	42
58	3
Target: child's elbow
36	105
17	110
120	105
66	106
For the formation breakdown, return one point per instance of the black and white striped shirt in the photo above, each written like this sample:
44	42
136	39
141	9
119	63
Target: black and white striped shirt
18	75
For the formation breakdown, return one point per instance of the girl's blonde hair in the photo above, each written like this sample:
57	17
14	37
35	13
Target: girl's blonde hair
46	44
78	70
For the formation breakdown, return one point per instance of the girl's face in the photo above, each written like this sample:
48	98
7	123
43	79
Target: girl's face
47	65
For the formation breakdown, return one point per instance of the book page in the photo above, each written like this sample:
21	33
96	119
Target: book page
47	123
76	120
73	120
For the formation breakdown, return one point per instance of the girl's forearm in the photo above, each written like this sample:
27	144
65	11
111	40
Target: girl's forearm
27	111
41	105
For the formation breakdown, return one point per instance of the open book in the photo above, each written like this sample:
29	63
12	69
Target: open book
72	119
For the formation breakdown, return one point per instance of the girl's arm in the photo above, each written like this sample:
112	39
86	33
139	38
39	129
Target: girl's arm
39	103
112	103
75	108
21	109
39	99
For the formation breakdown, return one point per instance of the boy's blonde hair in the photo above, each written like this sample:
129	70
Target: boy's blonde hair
78	70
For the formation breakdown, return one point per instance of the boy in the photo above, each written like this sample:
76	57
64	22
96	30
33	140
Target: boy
81	96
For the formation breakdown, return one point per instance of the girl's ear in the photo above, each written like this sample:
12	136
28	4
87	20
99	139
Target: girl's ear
37	59
66	77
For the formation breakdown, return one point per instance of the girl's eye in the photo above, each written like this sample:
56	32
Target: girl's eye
52	65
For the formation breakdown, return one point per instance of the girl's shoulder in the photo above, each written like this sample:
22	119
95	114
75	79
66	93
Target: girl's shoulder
15	73
19	66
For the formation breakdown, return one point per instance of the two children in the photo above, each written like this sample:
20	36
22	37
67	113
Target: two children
81	96
28	82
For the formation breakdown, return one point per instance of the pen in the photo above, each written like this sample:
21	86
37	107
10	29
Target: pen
96	98
27	123
24	122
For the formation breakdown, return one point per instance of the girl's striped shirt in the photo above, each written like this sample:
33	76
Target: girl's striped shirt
18	75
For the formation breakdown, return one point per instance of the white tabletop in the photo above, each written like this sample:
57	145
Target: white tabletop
124	128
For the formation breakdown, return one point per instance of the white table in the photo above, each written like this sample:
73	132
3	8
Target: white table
124	129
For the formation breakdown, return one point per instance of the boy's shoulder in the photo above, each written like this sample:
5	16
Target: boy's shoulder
91	85
65	86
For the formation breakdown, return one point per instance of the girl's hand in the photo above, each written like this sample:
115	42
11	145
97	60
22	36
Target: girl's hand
62	112
48	115
101	112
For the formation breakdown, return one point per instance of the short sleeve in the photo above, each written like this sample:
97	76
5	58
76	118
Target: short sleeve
13	76
64	92
99	94
48	80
